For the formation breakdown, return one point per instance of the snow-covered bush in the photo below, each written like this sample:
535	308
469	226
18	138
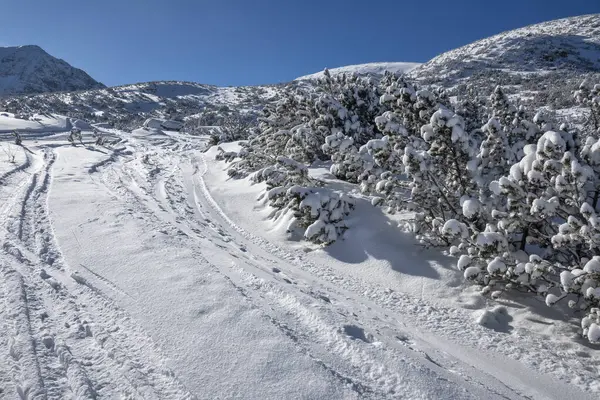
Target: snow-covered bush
440	180
275	134
234	127
227	156
515	198
588	96
348	163
286	172
348	103
318	211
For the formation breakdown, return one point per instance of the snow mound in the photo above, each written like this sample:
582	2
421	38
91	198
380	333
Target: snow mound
367	69
81	124
148	133
36	123
497	319
156	123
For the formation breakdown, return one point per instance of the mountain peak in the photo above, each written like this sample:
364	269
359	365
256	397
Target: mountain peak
30	69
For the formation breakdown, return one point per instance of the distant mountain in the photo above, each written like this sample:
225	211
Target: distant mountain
29	69
569	45
367	69
127	106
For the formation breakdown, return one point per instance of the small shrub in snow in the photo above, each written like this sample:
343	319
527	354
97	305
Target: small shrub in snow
223	155
320	212
234	127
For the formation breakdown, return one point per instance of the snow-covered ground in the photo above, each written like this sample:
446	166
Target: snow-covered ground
143	271
369	68
37	123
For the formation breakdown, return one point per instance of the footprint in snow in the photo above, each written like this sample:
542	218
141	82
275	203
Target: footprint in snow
357	333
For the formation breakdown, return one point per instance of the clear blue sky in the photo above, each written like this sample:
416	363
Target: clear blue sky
247	42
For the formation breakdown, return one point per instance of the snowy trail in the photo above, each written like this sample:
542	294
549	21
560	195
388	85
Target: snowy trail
122	277
63	334
385	315
322	331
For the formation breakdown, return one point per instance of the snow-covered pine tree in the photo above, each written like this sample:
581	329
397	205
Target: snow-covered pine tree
234	127
275	127
588	96
493	157
501	107
520	132
401	124
357	105
320	212
346	109
411	108
440	181
300	201
529	208
471	107
348	163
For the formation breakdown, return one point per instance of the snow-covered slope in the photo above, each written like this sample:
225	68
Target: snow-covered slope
367	69
129	106
29	69
566	45
142	272
42	123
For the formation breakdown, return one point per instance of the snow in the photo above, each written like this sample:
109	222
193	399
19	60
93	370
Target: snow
470	208
150	274
463	262
528	50
594	333
142	270
592	266
366	69
497	318
496	266
453	228
551	299
471	272
592	293
37	123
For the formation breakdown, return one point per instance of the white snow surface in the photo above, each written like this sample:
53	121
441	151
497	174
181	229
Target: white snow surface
40	123
143	271
377	68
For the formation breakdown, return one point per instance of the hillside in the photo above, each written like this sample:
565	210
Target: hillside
29	69
374	69
129	105
531	56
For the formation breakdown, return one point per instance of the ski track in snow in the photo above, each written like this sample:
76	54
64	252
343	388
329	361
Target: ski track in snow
65	338
68	334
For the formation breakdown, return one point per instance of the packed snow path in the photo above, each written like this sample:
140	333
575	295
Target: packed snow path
122	277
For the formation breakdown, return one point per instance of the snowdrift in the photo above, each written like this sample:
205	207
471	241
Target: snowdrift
167	124
37	123
366	69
